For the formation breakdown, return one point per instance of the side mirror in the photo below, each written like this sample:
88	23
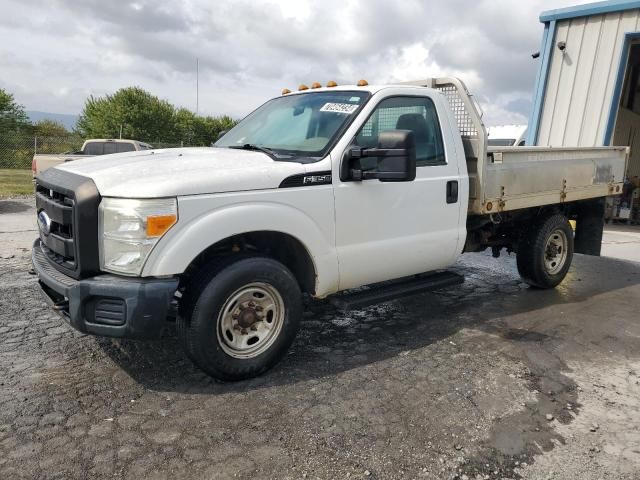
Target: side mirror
396	154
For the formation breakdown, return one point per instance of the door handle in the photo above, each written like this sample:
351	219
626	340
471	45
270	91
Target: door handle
452	191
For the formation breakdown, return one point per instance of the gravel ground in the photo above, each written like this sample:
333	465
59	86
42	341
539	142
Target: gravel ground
488	380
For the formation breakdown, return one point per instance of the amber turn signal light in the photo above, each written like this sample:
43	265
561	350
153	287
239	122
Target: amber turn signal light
157	225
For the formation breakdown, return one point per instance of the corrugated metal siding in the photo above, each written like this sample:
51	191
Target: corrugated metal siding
580	82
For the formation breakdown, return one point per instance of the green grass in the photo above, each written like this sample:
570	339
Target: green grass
15	182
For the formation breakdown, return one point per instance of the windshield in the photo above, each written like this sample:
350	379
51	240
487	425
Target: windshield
296	125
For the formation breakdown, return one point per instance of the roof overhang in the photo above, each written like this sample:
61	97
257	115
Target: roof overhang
597	8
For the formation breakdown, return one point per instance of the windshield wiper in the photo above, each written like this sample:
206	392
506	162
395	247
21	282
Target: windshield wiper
255	148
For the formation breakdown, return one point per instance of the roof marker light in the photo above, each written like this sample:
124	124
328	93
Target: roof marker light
362	83
331	83
303	87
315	85
285	91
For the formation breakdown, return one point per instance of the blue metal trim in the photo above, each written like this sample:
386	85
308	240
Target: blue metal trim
596	8
617	89
539	91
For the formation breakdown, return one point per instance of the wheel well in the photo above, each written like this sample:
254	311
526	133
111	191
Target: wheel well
503	230
280	246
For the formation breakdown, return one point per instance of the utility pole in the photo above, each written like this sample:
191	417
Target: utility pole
197	84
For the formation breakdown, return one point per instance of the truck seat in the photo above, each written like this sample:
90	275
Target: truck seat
422	132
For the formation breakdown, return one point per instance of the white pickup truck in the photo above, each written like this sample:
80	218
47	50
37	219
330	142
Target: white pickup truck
90	148
316	192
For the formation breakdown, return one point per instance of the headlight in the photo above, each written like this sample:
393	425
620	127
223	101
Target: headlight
129	228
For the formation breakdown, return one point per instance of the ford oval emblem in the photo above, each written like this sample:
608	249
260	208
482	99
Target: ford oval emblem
44	222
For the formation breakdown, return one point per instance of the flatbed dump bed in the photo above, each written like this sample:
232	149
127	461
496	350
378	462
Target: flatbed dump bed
523	177
511	178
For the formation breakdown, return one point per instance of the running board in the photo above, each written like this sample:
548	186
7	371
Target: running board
397	289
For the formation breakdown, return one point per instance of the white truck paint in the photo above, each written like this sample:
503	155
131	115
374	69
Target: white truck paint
215	187
90	148
324	220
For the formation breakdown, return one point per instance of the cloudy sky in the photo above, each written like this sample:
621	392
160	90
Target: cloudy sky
55	53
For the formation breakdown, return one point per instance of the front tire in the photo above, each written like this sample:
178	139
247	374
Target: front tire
545	252
238	318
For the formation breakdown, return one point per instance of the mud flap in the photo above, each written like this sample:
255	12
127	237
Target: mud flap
589	227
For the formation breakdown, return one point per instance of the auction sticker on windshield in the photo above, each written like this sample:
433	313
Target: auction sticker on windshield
347	108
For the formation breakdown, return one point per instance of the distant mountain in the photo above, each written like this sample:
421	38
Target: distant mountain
68	120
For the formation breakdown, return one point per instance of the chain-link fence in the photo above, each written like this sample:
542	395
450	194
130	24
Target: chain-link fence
17	150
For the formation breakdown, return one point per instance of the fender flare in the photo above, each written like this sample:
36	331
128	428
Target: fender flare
186	240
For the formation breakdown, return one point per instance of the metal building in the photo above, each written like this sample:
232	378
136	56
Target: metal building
588	85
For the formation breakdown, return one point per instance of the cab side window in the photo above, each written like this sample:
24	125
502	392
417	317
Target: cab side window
417	114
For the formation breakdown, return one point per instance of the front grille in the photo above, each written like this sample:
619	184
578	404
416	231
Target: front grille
58	243
70	202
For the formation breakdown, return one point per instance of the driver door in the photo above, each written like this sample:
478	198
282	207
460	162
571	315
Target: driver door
387	230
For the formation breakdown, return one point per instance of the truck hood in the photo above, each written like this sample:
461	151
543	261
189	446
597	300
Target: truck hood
182	171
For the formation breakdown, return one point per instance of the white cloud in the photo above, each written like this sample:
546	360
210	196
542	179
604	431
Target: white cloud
54	53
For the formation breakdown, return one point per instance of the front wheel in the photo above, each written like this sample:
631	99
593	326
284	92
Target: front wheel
545	252
239	319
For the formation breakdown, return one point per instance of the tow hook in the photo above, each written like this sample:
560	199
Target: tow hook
61	305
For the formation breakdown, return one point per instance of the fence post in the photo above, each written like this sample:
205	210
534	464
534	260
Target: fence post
35	145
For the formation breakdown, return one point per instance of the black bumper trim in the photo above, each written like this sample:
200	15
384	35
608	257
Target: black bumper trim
147	301
78	258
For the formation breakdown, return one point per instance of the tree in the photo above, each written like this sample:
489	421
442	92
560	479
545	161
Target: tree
13	118
49	128
192	129
145	117
16	147
135	112
53	137
185	125
209	128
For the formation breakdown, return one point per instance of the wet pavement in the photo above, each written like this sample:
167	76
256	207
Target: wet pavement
491	379
622	241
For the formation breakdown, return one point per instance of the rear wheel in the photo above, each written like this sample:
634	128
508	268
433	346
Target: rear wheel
545	252
238	319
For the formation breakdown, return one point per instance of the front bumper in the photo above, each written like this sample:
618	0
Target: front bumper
106	305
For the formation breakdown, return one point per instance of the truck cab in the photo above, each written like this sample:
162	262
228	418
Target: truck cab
316	192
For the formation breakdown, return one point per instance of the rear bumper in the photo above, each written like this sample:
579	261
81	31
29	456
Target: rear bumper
106	305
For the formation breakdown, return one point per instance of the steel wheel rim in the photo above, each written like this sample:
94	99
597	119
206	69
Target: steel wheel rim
555	252
250	320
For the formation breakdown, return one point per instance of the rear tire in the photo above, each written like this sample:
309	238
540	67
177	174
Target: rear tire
545	252
239	318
